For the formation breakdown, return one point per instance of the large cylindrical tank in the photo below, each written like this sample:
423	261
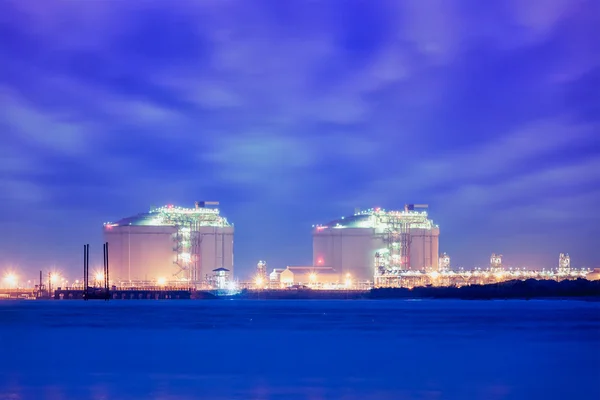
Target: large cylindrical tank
424	248
347	250
349	244
169	244
140	253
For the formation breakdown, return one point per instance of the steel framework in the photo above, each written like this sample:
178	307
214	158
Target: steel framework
398	226
188	238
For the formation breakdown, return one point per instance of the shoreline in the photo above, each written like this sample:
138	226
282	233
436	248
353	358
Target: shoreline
531	289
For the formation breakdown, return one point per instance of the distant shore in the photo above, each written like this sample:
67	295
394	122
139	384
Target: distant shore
581	289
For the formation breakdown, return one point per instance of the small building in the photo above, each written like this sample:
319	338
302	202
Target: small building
313	276
274	277
221	278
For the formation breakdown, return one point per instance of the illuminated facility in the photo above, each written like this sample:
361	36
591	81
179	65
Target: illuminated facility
444	262
564	263
376	243
496	262
169	245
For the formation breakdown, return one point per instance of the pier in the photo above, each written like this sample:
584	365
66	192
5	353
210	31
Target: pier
133	294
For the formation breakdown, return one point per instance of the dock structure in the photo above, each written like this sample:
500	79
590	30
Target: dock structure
128	293
94	292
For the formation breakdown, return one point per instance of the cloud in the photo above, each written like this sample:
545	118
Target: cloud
316	106
57	132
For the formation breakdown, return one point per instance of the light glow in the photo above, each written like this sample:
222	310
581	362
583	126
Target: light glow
10	279
161	281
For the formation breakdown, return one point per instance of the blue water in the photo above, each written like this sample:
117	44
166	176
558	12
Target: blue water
436	349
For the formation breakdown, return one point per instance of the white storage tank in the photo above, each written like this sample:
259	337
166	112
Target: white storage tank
169	245
355	244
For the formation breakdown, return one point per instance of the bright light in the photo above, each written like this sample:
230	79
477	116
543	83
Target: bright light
434	274
313	277
259	281
348	275
54	277
348	282
161	281
10	279
99	276
231	286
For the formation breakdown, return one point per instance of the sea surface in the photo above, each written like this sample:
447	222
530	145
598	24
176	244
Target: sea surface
313	350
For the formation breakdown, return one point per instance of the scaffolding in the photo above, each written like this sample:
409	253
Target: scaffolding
188	237
397	235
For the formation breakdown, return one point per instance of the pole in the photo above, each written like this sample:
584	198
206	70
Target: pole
107	276
84	273
129	254
106	271
86	263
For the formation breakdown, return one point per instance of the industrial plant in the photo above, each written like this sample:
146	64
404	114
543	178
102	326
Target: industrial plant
171	245
176	252
381	248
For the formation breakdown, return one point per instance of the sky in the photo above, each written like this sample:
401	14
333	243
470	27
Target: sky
293	113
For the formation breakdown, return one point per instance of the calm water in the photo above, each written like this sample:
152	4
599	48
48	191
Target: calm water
488	350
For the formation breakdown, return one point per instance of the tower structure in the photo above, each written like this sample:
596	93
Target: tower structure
400	230
191	225
444	262
496	262
261	271
564	263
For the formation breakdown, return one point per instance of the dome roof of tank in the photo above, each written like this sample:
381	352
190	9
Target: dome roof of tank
353	221
174	216
142	219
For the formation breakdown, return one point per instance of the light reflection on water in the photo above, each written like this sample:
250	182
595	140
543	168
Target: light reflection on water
300	350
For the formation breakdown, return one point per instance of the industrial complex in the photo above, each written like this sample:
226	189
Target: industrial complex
177	248
193	247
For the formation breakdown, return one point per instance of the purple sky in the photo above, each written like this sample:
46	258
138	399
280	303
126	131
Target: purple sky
293	113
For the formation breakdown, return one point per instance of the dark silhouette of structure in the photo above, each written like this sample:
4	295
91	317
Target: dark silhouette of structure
93	292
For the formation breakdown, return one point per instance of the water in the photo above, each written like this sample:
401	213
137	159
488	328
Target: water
312	350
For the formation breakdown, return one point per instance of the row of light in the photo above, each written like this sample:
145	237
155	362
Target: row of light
260	282
10	280
497	274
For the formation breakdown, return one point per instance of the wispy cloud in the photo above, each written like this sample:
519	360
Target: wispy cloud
315	107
